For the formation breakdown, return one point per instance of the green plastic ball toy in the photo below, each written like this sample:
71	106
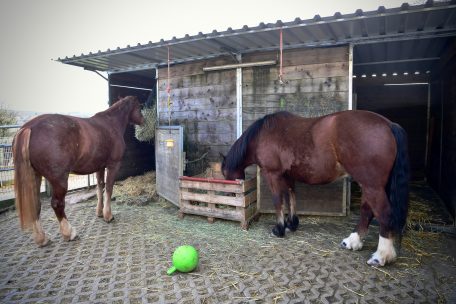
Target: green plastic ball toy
185	259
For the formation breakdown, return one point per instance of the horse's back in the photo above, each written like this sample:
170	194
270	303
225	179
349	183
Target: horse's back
60	144
53	130
321	149
53	141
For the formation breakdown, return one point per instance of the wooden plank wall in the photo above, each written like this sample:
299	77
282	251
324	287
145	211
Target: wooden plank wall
204	103
316	83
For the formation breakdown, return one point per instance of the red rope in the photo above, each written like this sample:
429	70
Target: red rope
168	89
281	58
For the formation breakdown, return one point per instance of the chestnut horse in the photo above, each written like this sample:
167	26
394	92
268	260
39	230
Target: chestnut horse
365	145
53	145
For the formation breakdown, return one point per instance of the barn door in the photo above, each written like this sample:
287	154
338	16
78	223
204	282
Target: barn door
169	158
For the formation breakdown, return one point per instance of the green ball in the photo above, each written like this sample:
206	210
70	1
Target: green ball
185	259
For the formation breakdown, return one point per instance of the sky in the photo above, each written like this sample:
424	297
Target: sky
33	34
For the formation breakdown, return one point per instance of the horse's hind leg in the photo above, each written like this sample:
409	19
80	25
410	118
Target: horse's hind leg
385	250
354	241
59	190
38	232
39	235
374	203
100	187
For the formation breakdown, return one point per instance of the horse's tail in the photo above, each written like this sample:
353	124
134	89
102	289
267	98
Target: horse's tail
398	183
25	184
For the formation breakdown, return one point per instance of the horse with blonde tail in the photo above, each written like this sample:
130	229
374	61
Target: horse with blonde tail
54	145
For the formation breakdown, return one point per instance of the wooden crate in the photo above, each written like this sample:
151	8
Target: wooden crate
219	198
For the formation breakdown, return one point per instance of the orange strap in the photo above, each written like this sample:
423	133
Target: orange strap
168	90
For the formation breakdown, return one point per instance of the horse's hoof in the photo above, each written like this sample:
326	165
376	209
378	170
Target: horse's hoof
109	220
279	231
385	253
352	242
44	242
292	224
375	262
73	235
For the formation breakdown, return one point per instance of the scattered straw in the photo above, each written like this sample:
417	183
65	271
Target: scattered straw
385	272
351	290
136	190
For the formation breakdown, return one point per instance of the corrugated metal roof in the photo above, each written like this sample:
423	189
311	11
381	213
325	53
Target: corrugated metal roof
384	36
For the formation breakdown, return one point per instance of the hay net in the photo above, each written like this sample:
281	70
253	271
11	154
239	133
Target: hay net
146	132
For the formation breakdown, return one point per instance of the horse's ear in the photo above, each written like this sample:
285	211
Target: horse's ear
222	156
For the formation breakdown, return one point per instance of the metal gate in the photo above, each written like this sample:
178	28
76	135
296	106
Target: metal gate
7	133
169	158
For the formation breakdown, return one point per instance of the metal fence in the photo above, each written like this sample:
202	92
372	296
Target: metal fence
7	167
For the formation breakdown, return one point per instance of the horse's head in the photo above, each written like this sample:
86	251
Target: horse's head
230	174
136	116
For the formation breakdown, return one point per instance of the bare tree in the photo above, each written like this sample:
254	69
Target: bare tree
7	117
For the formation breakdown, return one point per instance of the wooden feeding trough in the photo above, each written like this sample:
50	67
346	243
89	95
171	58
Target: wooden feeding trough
216	197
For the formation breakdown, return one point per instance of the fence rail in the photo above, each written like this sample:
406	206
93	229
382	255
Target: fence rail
7	167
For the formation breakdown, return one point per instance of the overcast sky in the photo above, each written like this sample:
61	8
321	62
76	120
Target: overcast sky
32	33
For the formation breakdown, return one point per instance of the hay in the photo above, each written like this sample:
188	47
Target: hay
146	132
136	190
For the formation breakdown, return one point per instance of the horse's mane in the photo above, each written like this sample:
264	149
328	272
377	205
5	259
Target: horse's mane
238	151
118	106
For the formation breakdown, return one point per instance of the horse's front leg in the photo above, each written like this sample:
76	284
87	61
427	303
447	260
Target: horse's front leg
110	176
279	228
279	189
100	187
292	221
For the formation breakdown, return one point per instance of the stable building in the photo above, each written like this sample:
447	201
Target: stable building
208	88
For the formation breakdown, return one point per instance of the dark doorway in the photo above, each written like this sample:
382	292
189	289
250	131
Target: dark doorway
139	156
407	105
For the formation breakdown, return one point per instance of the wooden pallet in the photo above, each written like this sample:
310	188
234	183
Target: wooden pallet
219	198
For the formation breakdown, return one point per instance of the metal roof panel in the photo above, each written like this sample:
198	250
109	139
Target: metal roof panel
430	20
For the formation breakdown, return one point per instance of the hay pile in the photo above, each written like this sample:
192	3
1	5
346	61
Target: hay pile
146	132
136	190
425	207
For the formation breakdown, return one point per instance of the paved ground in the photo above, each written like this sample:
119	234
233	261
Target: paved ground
126	262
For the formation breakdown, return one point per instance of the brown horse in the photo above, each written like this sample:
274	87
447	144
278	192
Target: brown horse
54	145
365	145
